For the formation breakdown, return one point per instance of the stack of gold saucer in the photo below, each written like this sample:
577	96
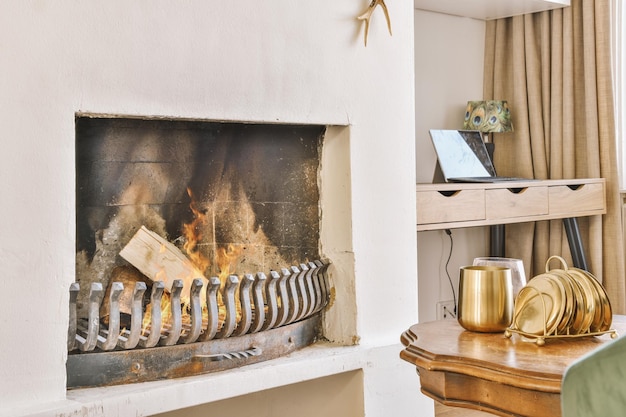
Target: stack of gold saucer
562	303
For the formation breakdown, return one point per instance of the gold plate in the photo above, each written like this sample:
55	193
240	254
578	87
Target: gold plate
593	297
604	312
541	306
585	316
578	322
530	305
592	300
573	298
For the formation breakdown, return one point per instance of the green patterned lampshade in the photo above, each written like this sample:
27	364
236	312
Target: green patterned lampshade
491	116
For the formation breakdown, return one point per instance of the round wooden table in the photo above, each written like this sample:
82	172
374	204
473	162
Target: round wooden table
489	372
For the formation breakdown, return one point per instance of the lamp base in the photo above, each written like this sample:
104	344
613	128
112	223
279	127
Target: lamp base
490	149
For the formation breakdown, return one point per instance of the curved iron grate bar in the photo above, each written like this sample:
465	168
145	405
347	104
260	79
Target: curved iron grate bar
265	304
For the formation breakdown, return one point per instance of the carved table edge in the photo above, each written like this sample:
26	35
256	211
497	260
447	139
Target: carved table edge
468	405
476	369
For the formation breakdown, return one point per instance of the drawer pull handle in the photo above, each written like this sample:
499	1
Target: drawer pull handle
449	193
517	190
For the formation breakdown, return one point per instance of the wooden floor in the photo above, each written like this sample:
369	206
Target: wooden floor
445	411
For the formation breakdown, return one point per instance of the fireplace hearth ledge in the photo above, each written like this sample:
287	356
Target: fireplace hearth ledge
316	361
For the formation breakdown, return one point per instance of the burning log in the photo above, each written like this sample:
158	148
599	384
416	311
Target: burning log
161	260
129	278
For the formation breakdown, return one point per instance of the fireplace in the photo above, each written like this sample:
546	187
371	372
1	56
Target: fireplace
176	222
279	64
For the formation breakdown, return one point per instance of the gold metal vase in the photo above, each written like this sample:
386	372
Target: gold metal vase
485	298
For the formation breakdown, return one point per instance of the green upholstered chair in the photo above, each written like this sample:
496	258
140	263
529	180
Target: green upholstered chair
595	385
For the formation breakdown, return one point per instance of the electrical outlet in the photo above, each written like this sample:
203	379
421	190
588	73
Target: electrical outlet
445	310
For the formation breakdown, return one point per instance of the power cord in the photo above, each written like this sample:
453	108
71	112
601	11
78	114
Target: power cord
449	233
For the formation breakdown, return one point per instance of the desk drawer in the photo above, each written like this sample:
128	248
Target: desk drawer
450	206
504	203
585	197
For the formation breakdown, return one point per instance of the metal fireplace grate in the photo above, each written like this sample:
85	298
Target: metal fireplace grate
276	315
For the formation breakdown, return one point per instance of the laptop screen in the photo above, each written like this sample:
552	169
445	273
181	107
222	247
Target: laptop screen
462	153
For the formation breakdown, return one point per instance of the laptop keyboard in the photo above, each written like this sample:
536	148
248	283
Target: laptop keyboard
488	179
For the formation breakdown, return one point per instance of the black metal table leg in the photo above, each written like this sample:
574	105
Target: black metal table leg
496	240
496	243
575	243
573	238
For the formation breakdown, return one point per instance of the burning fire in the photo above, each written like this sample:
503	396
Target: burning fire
226	260
193	235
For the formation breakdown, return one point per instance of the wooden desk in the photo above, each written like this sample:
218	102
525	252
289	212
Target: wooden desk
453	205
489	372
447	206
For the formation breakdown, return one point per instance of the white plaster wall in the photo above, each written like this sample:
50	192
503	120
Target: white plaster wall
278	61
449	53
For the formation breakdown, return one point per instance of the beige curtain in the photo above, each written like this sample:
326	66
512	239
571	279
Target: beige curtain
554	68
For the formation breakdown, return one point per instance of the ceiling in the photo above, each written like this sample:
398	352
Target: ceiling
488	9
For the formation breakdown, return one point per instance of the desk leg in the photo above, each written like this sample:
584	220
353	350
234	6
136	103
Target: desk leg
496	240
573	238
575	243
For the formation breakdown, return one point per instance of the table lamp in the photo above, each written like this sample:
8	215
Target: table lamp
488	116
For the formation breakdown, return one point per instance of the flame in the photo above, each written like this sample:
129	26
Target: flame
226	260
147	317
193	235
166	314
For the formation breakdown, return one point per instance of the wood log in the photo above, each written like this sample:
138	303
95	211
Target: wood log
129	277
161	260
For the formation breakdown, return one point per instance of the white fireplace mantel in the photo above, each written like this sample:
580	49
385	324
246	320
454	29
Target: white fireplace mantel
317	361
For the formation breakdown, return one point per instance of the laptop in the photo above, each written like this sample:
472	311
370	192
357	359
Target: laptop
463	157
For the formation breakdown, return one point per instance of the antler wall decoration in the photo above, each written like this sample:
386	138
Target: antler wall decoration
367	15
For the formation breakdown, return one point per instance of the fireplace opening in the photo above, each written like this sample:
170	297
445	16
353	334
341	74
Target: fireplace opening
197	241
